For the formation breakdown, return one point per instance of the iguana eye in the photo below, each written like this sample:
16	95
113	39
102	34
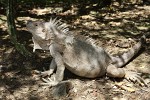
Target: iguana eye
36	24
43	30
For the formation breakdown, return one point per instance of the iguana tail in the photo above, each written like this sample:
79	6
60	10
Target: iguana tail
123	59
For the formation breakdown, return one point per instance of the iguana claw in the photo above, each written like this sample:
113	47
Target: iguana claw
44	73
49	81
134	77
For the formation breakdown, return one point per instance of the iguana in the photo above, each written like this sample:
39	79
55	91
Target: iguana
81	56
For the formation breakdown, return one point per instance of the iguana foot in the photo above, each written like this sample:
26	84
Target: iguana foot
134	77
44	73
50	81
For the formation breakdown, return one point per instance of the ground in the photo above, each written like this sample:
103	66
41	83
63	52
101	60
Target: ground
114	29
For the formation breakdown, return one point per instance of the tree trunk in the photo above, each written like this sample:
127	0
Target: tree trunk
12	29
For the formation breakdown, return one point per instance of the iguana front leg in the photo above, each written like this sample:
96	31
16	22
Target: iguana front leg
58	77
49	72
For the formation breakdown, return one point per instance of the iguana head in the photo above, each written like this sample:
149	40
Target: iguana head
38	29
52	30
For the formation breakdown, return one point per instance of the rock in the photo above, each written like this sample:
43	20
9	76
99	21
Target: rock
60	90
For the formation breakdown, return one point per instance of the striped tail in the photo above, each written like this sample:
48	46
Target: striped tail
123	59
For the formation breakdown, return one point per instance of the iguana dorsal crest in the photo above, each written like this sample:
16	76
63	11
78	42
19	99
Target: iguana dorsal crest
58	24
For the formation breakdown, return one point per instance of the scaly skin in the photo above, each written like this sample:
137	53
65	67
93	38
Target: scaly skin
81	56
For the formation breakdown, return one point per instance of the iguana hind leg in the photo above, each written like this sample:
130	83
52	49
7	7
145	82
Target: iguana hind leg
113	71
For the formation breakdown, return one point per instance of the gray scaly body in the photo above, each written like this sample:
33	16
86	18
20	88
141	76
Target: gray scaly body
81	56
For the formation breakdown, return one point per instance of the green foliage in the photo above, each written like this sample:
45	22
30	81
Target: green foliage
12	29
